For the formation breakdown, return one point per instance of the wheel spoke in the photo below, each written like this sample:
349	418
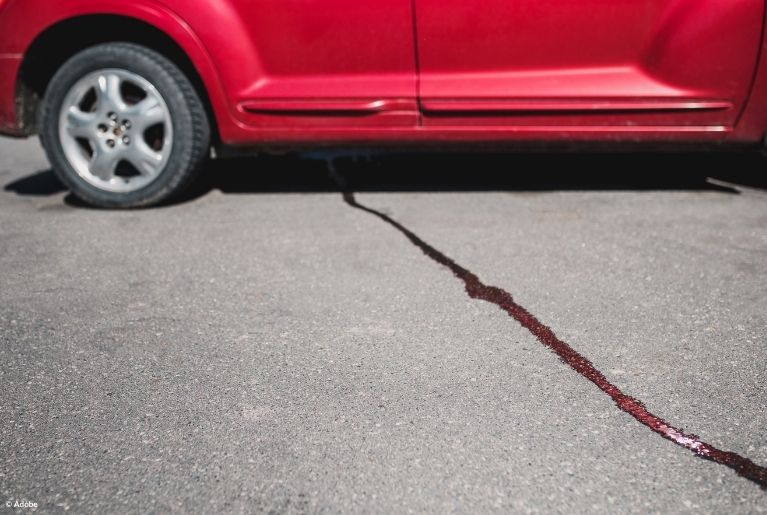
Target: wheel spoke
108	90
146	160
146	113
103	164
80	123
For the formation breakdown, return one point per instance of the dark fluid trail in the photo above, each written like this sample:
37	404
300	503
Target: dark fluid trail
476	289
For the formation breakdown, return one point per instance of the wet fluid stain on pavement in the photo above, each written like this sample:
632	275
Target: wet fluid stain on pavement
476	289
267	347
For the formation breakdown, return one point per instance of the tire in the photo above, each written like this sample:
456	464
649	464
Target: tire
136	138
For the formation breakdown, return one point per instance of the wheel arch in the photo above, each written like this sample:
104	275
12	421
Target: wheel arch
63	39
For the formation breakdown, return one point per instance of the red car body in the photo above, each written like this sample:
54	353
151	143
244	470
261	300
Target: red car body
369	71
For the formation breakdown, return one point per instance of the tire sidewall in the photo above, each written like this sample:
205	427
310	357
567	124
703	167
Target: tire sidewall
158	71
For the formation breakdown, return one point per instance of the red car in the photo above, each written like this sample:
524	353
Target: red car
129	96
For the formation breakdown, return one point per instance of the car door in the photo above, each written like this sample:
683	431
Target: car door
330	63
586	62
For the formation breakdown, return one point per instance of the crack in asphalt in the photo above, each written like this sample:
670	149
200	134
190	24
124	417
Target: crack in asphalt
476	289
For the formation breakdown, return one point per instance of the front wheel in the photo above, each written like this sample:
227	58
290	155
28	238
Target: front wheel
123	127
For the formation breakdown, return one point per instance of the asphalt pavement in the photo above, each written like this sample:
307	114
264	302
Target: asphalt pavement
264	346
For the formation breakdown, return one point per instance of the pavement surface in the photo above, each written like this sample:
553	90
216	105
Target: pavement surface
261	346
